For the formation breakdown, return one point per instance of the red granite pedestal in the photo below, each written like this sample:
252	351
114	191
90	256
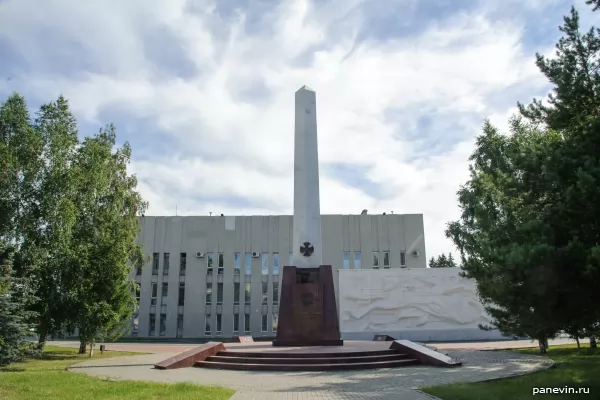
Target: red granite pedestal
307	308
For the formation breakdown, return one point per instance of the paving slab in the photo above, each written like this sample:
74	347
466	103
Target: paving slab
386	384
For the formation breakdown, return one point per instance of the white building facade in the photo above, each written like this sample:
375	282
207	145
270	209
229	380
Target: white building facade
219	276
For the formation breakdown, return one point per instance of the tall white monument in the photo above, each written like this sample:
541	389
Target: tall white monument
307	307
307	212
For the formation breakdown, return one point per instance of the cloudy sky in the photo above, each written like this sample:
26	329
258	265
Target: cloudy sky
204	92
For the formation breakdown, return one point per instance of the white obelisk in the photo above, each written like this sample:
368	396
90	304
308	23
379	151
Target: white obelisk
306	240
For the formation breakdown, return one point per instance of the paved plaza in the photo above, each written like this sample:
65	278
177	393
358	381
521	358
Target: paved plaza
397	383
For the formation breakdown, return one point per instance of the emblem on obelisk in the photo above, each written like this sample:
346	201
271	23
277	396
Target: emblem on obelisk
307	249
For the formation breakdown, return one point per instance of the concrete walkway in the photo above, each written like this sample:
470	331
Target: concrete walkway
392	384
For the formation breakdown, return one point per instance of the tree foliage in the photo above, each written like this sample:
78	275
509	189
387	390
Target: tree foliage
529	231
68	211
18	164
15	319
575	75
443	261
500	235
105	237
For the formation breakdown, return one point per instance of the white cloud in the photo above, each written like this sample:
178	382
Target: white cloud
450	71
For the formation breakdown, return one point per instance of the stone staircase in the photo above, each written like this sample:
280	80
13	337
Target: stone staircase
306	361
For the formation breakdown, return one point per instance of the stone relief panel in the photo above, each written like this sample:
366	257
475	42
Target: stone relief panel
408	299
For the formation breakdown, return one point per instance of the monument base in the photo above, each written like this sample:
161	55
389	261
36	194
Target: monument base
301	343
307	308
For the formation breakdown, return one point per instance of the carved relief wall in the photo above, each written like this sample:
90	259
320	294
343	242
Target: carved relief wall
418	304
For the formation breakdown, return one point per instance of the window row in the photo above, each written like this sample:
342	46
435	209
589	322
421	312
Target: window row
236	323
247	264
219	295
375	260
210	263
163	325
207	324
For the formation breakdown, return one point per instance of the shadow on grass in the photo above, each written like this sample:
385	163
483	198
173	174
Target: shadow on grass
58	357
11	369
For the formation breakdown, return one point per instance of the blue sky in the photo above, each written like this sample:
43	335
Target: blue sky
204	91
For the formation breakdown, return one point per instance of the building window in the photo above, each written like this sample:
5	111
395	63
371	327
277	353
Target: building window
207	324
164	292
220	293
236	263
357	260
220	266
346	264
248	264
275	320
247	293
154	294
264	323
137	294
386	259
155	263
275	263
236	293
163	324
181	299
275	293
375	260
210	258
291	259
136	324
265	293
180	325
246	322
152	326
219	321
402	258
236	322
138	270
182	264
209	294
264	263
166	260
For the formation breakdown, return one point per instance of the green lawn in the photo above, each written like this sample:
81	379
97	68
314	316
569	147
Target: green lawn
577	369
47	378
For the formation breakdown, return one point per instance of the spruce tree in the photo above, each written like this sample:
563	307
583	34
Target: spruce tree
573	169
16	322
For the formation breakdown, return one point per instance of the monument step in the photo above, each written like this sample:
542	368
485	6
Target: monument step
307	367
304	360
313	353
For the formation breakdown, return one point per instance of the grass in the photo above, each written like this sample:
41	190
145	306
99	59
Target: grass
47	378
576	369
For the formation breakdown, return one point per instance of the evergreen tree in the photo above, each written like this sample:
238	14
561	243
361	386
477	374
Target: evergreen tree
595	3
442	261
575	74
574	167
529	232
15	320
503	244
